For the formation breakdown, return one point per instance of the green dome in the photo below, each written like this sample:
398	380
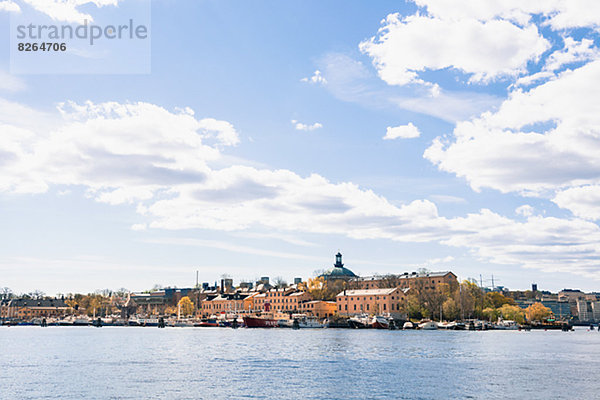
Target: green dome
338	271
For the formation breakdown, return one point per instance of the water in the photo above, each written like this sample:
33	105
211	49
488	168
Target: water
221	363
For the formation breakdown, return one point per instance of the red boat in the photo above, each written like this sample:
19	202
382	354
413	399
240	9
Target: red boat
260	322
379	322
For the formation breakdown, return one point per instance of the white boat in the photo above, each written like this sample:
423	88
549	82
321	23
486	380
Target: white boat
360	321
447	325
506	325
408	325
300	321
307	322
428	326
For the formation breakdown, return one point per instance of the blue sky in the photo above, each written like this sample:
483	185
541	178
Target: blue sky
127	180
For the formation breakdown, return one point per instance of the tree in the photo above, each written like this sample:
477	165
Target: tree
186	306
490	313
537	312
513	313
6	293
451	309
280	283
316	287
171	311
497	300
413	308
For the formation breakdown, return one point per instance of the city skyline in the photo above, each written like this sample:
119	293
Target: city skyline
269	135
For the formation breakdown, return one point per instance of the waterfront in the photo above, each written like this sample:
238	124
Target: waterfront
196	363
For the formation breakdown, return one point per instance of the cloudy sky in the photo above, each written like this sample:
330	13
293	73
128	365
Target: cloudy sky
271	134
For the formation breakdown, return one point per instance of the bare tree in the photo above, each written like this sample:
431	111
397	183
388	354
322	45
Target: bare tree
6	293
279	282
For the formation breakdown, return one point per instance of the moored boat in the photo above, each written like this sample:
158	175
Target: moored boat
360	322
380	322
428	326
260	322
408	325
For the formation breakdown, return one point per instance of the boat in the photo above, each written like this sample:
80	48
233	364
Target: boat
360	322
307	321
428	326
181	324
408	325
298	321
148	321
208	322
65	322
285	323
505	325
82	321
380	322
260	322
447	325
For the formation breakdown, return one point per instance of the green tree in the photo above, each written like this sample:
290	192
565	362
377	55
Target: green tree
451	309
497	300
490	313
513	313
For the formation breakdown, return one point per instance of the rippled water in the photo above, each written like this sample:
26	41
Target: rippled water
216	363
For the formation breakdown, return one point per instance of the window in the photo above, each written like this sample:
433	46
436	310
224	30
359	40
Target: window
355	307
340	308
346	307
367	307
384	305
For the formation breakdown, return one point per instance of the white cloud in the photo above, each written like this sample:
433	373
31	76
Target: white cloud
573	51
444	198
121	152
68	11
403	131
525	210
559	14
583	201
8	5
162	161
483	49
440	260
317	77
540	140
10	83
350	80
306	127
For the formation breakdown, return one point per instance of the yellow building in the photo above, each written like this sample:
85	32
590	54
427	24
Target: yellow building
318	308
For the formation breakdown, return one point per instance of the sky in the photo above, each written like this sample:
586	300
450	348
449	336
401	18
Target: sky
259	138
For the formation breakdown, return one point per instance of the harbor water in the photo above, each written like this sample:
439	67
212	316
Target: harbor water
222	363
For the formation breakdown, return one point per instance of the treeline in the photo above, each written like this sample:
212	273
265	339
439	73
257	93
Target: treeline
456	301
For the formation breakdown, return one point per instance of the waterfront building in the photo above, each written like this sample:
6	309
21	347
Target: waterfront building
338	271
588	311
285	299
418	280
157	302
30	308
571	295
318	308
371	301
227	303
